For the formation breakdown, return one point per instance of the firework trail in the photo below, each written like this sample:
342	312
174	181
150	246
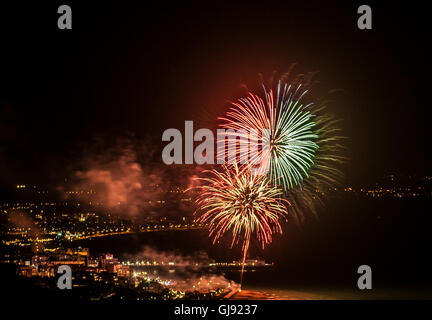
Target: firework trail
243	203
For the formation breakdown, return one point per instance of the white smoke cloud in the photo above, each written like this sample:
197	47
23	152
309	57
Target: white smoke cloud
190	272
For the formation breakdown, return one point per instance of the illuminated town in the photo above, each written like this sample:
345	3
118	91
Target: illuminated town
40	233
39	236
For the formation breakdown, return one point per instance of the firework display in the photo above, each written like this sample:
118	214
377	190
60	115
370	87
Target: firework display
291	138
189	158
242	203
297	141
303	141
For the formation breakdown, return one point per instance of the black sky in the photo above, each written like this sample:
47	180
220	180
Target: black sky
144	68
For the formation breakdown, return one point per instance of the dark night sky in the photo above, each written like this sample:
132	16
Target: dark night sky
125	68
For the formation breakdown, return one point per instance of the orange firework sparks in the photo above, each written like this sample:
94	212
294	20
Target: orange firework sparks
243	203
